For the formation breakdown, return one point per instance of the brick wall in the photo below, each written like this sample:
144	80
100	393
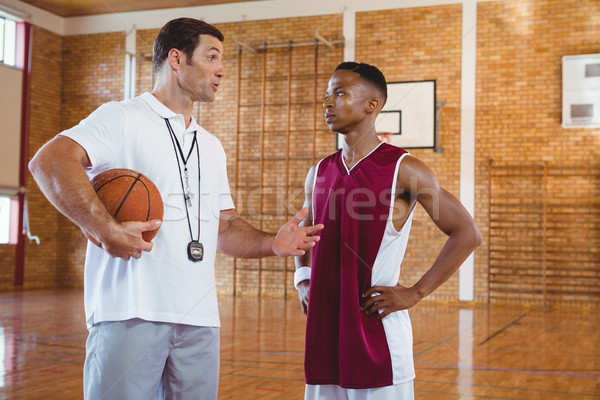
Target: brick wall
71	76
518	117
41	260
413	45
96	77
220	118
519	48
306	145
7	266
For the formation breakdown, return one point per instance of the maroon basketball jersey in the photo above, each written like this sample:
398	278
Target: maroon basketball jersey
344	346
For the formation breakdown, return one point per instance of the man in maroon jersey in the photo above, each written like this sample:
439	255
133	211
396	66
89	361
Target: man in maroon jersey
358	333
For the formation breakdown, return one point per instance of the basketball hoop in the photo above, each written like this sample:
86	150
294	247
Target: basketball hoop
385	136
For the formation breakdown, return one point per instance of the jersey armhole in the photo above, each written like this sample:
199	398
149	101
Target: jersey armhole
393	199
312	194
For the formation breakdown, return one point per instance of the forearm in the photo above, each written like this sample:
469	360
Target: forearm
304	260
303	268
239	239
63	181
456	250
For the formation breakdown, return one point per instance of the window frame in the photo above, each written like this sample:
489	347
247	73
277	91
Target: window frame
8	39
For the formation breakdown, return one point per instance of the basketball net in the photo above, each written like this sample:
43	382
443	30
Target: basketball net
385	136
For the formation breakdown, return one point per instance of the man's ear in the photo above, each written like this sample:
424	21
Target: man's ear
373	105
175	58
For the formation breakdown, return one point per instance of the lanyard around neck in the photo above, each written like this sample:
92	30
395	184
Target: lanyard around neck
173	136
177	146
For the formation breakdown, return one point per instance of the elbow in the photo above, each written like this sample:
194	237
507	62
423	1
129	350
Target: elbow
41	160
469	236
35	164
476	238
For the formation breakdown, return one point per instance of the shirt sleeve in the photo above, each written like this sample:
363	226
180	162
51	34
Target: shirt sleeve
101	135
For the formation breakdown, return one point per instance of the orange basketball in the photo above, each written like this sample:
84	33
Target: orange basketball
129	195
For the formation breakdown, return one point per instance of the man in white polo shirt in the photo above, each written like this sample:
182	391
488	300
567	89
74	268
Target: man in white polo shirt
151	308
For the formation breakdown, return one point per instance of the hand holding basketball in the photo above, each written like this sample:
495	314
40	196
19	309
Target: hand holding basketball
129	196
125	239
136	205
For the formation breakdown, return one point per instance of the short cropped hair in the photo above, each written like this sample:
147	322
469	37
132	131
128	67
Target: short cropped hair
369	73
182	34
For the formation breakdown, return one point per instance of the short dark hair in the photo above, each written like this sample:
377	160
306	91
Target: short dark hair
368	72
182	34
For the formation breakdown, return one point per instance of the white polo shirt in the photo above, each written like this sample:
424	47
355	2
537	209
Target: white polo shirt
163	285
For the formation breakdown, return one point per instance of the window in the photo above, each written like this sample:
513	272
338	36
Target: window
9	205
4	219
8	40
9	215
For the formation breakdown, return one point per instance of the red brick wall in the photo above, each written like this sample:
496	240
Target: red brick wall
96	78
273	278
519	50
71	76
220	118
412	45
7	266
45	114
518	117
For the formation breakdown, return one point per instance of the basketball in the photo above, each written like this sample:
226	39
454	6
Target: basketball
129	195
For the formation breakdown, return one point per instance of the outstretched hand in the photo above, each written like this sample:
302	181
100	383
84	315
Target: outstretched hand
293	239
387	299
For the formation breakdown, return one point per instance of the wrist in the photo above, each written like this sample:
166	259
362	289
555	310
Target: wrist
420	291
301	274
270	242
106	230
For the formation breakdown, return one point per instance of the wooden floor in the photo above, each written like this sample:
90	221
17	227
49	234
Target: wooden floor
460	353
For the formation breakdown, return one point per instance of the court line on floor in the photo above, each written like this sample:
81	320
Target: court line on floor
280	353
461	395
254	360
261	377
493	335
232	365
435	392
37	337
533	371
269	389
21	359
527	351
508	388
446	340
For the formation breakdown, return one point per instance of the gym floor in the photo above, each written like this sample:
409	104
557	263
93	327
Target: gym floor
496	352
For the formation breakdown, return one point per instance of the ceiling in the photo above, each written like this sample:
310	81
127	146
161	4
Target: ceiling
76	8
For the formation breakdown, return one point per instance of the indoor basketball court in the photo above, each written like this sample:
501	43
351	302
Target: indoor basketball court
501	99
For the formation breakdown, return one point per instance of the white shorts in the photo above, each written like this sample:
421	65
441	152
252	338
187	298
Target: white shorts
403	391
142	360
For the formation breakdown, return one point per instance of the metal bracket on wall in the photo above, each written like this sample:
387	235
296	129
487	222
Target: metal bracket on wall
323	40
438	126
244	46
26	226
